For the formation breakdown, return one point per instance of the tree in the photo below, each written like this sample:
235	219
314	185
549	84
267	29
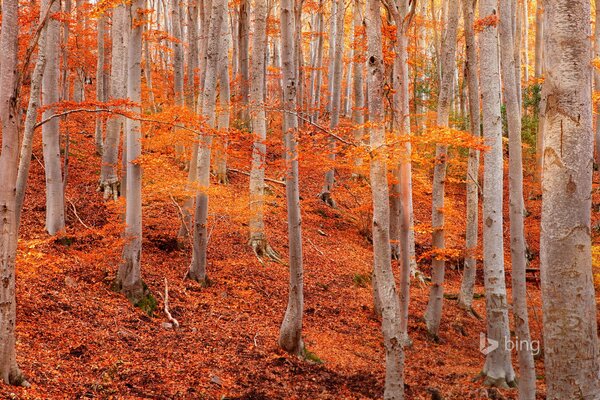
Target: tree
100	80
9	158
358	113
571	353
433	314
197	270
290	333
516	202
465	297
243	55
390	307
55	207
498	370
129	276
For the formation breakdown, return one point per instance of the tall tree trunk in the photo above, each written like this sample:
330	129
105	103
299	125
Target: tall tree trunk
498	370
318	65
539	57
390	308
290	333
243	54
178	67
55	208
192	61
100	77
465	298
109	180
571	353
224	98
597	76
336	67
129	276
433	314
9	159
197	269
516	203
358	112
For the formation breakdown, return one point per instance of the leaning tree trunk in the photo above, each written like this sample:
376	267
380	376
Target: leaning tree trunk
336	69
109	181
55	206
9	158
571	351
129	276
465	298
516	205
197	270
390	307
433	315
290	333
498	370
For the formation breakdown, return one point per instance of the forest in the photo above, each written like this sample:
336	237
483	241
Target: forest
300	199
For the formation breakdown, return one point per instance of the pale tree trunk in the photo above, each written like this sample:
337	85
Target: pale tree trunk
9	158
129	276
516	204
224	99
192	61
243	54
465	298
401	208
317	77
100	77
178	67
347	107
571	351
525	39
390	307
148	63
55	209
124	74
433	314
80	75
109	181
358	112
597	76
197	270
234	41
258	239
290	333
299	54
539	56
336	67
517	34
30	121
498	370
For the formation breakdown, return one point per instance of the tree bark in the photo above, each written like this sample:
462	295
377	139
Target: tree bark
571	350
224	114
392	335
9	101
317	77
290	333
55	208
243	54
197	269
100	77
498	370
539	57
465	298
516	204
358	112
433	314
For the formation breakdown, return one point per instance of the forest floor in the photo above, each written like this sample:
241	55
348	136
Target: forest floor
79	339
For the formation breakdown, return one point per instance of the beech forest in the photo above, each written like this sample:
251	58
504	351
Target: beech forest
300	199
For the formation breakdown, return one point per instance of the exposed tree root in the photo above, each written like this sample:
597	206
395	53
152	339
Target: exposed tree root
501	382
110	188
262	249
17	378
327	199
202	280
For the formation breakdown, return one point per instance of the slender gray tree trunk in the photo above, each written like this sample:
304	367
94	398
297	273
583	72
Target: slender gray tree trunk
597	76
433	314
243	54
498	370
390	307
516	204
539	70
224	103
290	333
55	208
571	350
465	297
9	159
100	77
358	112
317	79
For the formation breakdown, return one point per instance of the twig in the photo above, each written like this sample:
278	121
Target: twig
248	174
315	247
182	216
75	212
166	308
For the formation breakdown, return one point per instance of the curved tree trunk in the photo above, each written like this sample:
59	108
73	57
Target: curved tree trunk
433	314
290	333
516	205
498	370
571	353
